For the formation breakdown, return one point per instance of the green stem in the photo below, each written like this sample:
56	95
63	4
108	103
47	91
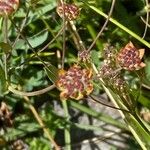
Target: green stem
5	31
121	26
104	26
97	115
67	129
41	123
141	123
136	126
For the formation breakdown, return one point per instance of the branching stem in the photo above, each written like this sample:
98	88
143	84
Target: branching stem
104	26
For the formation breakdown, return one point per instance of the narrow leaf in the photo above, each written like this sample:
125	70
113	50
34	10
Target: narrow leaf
52	73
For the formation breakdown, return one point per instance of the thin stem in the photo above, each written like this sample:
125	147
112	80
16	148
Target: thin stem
97	100
148	25
63	38
95	139
64	103
100	116
107	91
27	42
121	26
135	124
58	54
147	18
49	43
77	38
39	120
35	93
5	31
21	28
45	47
104	26
141	122
67	128
55	37
29	45
146	86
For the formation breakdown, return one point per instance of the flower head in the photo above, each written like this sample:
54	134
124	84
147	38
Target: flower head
74	83
7	7
70	11
130	57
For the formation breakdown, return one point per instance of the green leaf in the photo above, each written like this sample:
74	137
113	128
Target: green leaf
52	73
6	47
39	144
34	1
141	97
144	101
21	130
33	78
35	40
134	122
140	134
147	69
40	12
3	84
100	116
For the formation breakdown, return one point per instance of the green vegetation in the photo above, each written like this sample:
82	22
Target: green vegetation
66	66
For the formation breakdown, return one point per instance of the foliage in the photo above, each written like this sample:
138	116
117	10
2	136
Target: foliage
39	42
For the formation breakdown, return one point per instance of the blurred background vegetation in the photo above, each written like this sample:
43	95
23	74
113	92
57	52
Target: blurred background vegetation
38	121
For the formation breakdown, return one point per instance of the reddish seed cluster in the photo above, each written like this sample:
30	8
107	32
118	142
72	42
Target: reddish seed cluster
74	83
7	7
130	57
70	11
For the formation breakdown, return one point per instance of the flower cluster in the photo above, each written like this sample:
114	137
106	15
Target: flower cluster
129	57
70	11
109	66
7	7
84	56
74	83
